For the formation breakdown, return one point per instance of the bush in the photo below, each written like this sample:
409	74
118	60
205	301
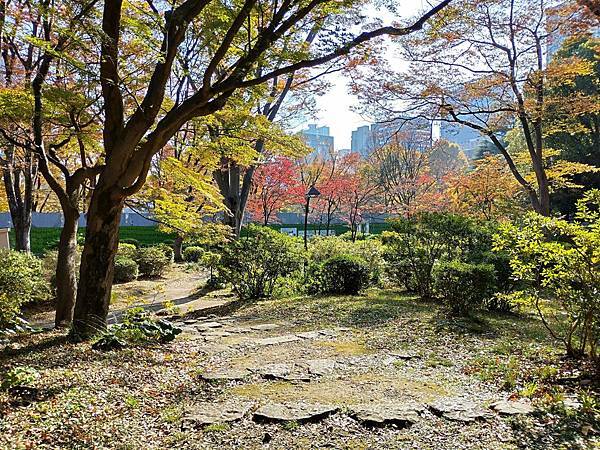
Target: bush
371	251
151	261
21	281
556	265
463	286
136	327
254	263
126	250
126	270
130	241
167	250
343	274
415	245
193	254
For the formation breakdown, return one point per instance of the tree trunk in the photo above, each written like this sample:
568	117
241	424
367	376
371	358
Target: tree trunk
177	248
21	220
66	277
97	263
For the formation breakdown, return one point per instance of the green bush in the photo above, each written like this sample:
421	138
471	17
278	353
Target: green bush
369	250
126	270
126	250
415	245
193	254
167	249
21	281
152	262
556	263
254	263
342	274
136	327
130	241
464	287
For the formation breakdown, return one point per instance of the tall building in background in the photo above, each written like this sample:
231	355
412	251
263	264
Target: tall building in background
468	139
319	139
361	139
414	134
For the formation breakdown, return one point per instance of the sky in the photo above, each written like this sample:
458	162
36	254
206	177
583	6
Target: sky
335	106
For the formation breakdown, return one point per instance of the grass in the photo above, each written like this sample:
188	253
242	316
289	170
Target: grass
44	239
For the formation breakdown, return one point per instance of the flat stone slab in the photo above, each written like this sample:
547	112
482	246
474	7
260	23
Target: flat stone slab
225	375
209	413
382	414
238	330
265	326
216	333
319	367
309	335
208	325
511	408
287	372
459	409
278	340
299	412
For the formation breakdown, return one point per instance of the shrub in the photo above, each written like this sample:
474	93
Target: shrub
151	261
19	376
193	254
343	274
21	281
136	327
556	265
167	250
126	250
415	245
463	286
126	270
253	264
371	251
130	241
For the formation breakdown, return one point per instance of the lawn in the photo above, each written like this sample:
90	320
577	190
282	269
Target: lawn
384	346
44	239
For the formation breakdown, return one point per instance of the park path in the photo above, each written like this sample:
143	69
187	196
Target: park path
181	289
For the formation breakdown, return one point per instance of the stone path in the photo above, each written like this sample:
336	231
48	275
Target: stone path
245	359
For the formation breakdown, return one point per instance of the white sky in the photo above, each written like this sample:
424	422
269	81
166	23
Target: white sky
335	106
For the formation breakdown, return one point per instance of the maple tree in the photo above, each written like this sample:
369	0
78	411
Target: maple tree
403	173
483	65
487	191
139	120
275	186
362	195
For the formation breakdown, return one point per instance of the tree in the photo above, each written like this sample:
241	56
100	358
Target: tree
403	174
576	137
488	191
275	187
362	196
334	182
483	65
42	122
138	122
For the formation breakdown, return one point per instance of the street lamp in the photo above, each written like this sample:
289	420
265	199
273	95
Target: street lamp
312	193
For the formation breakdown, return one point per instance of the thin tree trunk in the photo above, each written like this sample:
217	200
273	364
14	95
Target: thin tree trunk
66	277
97	264
178	248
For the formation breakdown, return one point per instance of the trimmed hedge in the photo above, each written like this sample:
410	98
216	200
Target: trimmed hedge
152	262
343	274
126	270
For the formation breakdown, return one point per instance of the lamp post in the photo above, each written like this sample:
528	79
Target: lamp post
312	193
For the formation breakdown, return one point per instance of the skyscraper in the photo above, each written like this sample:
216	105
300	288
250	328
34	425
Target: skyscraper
319	139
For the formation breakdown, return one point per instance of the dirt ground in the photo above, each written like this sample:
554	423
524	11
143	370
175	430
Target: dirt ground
224	382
